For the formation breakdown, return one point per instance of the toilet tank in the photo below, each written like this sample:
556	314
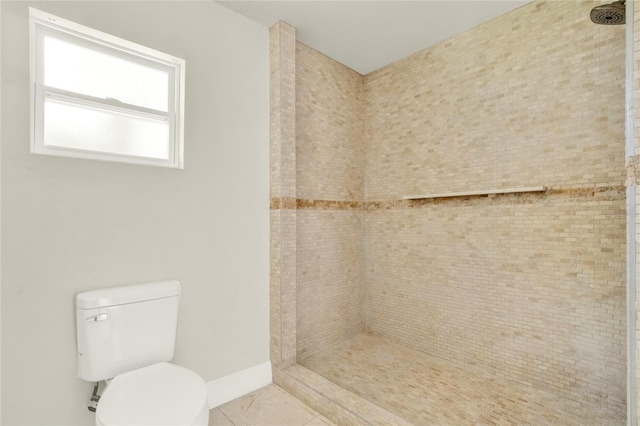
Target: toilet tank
124	328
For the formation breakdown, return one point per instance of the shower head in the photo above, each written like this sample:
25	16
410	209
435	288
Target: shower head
609	14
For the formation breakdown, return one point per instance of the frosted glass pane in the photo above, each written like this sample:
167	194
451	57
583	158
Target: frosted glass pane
90	72
70	126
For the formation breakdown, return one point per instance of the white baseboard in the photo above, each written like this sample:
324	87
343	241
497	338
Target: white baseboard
238	384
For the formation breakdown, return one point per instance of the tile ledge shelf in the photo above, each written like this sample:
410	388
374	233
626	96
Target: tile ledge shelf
468	193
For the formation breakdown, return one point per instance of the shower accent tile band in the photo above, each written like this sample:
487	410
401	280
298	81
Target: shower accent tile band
303	204
282	204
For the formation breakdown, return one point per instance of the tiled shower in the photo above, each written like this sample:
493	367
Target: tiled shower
454	310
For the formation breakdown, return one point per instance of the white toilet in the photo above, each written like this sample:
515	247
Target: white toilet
126	336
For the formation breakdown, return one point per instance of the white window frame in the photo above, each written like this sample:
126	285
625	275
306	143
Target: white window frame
42	24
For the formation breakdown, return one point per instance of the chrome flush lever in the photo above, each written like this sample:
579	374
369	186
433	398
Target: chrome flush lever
99	317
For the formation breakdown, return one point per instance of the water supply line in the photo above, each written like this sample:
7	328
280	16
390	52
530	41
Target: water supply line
93	400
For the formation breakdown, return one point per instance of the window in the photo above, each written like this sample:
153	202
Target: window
100	97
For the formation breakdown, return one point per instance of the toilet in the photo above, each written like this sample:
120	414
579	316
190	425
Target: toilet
126	337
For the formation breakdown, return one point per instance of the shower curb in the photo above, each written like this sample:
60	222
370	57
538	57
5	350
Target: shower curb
337	404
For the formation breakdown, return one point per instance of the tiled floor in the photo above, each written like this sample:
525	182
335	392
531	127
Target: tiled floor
269	406
427	390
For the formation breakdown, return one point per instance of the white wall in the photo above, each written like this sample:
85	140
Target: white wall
73	225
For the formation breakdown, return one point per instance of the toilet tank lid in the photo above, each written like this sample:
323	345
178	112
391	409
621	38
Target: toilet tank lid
122	295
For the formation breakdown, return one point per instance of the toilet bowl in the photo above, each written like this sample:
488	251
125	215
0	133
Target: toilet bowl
160	394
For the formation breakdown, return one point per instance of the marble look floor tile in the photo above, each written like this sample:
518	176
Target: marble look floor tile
320	421
268	406
217	418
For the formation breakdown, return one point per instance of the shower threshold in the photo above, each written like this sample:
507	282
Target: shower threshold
384	381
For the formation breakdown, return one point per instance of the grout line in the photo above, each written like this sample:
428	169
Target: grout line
227	417
315	418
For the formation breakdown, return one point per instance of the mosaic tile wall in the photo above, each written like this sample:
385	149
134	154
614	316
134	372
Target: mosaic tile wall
534	97
527	287
330	283
340	405
633	180
329	128
330	189
531	288
282	179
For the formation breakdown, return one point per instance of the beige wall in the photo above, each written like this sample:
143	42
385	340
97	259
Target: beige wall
73	225
329	167
528	287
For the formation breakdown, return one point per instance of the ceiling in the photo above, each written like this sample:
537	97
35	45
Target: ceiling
366	35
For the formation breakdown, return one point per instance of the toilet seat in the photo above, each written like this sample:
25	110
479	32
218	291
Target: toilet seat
161	394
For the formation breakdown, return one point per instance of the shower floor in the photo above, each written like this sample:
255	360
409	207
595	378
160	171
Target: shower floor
424	389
